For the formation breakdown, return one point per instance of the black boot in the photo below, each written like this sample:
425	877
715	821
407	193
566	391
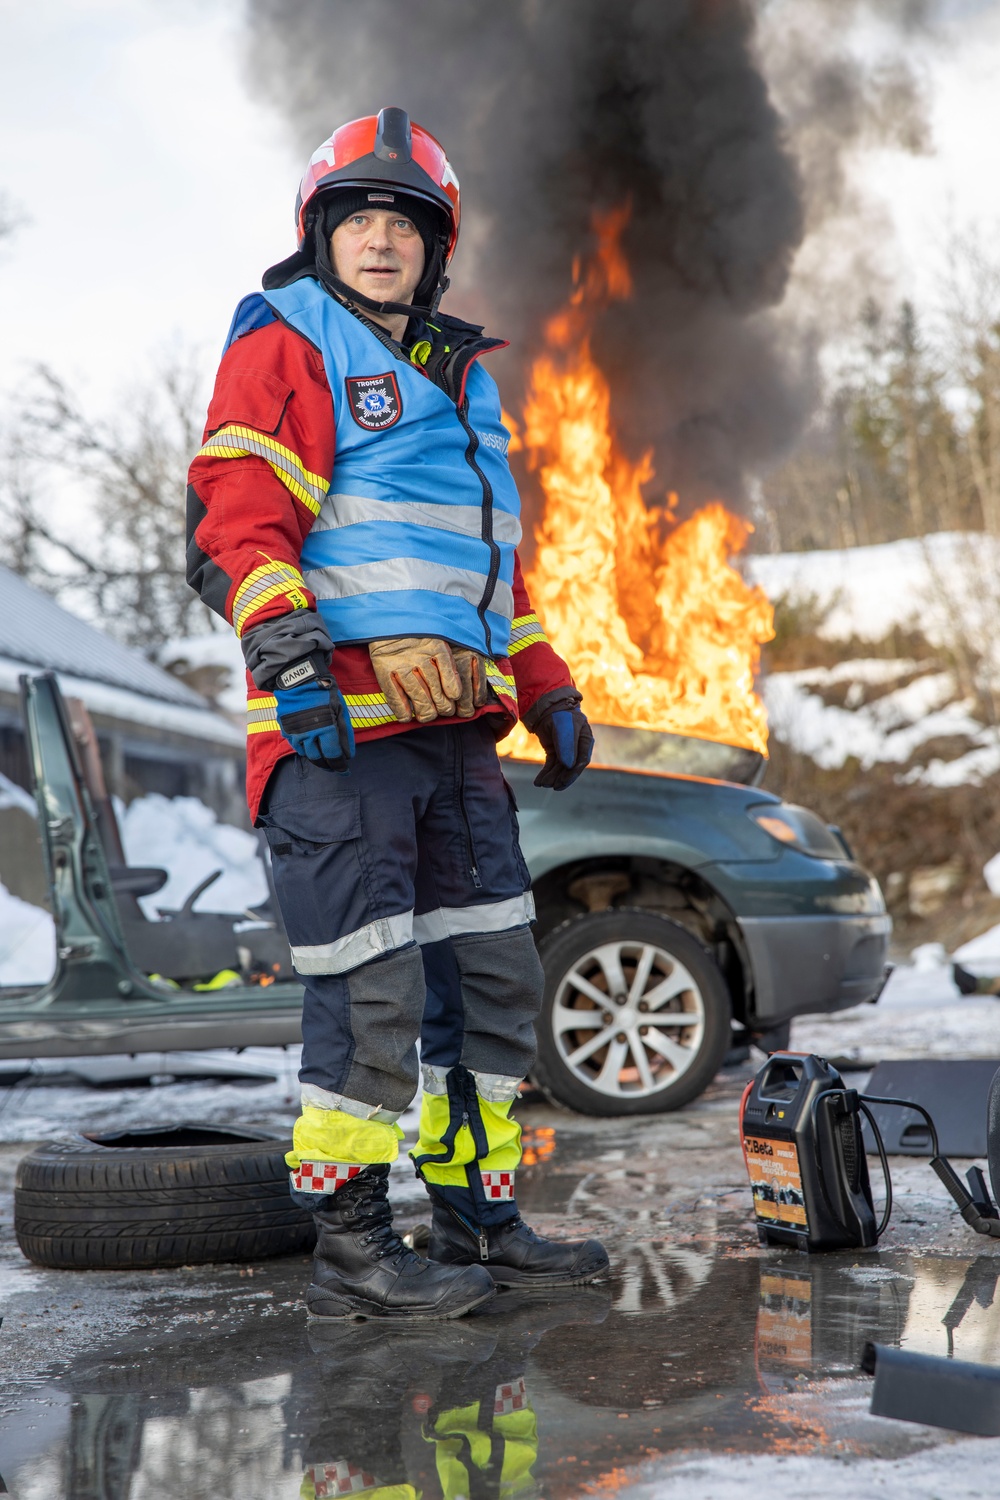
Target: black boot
363	1270
513	1254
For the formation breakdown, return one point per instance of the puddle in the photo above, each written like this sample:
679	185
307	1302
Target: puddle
684	1348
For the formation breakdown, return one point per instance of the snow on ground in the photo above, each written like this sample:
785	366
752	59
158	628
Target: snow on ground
962	1472
920	1013
53	1098
258	1087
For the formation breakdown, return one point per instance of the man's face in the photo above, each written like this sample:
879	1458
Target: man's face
380	253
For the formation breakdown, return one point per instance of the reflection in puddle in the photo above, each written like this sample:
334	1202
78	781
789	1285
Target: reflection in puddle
816	1320
685	1348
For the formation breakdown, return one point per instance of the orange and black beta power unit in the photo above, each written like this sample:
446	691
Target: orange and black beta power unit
805	1156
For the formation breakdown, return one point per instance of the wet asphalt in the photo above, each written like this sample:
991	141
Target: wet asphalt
209	1382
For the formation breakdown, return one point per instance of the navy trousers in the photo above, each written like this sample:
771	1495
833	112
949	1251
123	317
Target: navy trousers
406	901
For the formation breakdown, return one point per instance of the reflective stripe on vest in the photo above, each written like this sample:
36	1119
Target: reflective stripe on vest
416	535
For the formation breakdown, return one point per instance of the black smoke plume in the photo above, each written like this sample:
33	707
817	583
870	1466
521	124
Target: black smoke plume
553	109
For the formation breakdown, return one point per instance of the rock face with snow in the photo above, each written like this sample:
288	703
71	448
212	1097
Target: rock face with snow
883	698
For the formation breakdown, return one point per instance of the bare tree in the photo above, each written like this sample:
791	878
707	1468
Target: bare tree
907	441
124	554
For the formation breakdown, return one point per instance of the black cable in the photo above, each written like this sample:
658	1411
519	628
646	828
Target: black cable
908	1104
880	1144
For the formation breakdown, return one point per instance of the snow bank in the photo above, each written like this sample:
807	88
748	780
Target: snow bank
947	587
892	728
184	837
12	795
27	941
982	953
868	591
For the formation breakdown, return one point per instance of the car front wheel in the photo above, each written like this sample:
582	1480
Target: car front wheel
636	1015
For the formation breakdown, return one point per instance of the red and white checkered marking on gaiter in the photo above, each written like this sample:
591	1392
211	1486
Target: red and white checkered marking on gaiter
323	1177
340	1478
508	1398
498	1184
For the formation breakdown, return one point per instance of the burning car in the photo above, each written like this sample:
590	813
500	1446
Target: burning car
675	900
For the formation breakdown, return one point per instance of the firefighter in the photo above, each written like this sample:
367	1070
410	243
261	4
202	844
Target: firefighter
353	515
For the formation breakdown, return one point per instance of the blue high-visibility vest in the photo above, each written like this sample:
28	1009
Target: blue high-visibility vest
417	533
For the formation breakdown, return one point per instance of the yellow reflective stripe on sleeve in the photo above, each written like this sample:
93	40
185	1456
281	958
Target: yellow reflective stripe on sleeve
270	581
499	681
526	630
368	710
237	442
262	717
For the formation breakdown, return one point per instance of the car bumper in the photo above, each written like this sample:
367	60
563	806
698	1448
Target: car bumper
802	965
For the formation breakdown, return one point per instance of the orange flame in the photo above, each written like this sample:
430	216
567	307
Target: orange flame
659	630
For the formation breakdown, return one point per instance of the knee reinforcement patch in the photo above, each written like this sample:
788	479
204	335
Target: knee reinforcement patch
502	982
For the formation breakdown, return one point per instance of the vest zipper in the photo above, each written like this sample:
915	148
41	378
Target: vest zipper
487	531
461	408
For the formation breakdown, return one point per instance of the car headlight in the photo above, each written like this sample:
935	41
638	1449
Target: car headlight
799	829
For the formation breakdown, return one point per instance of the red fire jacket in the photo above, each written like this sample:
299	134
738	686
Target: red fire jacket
241	514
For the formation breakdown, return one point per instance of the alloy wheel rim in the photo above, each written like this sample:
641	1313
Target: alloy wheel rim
628	1019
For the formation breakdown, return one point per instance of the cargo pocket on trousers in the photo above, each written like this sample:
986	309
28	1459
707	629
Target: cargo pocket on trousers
323	874
309	825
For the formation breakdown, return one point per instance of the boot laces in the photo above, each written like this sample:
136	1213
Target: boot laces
509	1225
373	1207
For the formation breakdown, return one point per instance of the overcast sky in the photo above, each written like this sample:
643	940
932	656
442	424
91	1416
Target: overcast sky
156	190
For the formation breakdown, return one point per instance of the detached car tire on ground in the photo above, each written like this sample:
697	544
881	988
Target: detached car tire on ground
185	1195
636	1016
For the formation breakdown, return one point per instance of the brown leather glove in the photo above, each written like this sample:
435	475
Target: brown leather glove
472	670
419	677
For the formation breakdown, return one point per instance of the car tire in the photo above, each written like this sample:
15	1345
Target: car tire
586	953
176	1196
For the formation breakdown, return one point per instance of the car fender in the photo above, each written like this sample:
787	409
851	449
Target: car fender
545	854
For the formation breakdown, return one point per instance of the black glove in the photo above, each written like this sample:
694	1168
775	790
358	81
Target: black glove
564	735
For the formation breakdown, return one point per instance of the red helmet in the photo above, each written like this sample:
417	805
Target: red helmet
378	150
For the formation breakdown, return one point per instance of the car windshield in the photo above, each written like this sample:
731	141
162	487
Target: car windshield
676	754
